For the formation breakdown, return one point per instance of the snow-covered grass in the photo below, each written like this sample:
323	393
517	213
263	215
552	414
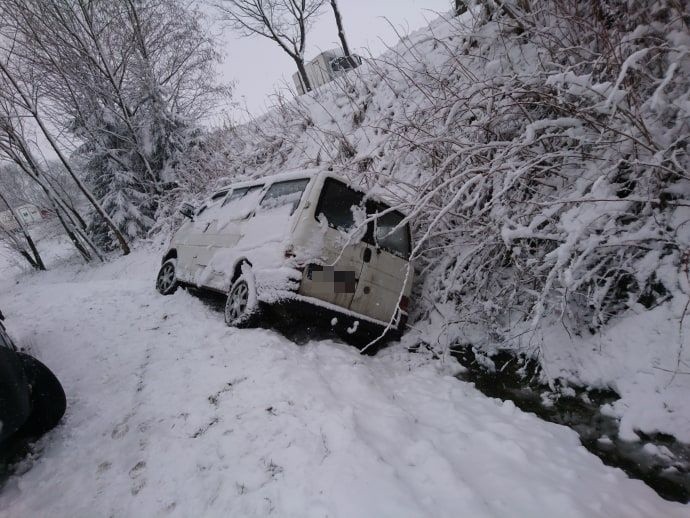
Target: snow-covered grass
173	413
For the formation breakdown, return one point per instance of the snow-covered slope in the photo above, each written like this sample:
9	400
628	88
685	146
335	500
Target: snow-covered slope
546	178
171	413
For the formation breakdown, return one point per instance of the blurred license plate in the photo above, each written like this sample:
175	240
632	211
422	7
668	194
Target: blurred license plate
343	281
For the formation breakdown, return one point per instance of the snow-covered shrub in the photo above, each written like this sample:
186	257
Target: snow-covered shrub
553	138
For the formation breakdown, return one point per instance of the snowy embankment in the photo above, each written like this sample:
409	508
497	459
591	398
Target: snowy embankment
551	230
173	413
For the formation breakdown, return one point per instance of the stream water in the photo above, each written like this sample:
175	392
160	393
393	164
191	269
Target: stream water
657	459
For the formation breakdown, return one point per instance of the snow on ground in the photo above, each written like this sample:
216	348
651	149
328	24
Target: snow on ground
643	357
170	412
53	245
9	263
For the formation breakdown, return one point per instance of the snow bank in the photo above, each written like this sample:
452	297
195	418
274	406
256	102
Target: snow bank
171	413
547	185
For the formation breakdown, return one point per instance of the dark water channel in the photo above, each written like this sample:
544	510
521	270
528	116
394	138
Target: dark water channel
657	459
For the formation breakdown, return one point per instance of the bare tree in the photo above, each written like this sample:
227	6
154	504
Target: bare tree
16	92
15	148
341	30
26	246
284	21
126	79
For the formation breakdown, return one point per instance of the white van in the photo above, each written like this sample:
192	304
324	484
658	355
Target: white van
307	237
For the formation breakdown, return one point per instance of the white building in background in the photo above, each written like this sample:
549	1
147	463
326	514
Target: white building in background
325	68
27	213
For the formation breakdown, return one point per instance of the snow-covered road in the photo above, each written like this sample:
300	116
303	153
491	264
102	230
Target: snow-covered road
172	413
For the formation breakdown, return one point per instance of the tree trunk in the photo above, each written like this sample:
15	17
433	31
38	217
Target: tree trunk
40	265
71	225
75	240
303	73
36	261
341	32
26	255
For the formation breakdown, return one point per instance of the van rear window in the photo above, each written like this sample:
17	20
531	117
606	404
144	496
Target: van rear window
337	203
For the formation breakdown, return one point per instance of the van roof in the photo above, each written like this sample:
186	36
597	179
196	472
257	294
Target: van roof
297	174
281	177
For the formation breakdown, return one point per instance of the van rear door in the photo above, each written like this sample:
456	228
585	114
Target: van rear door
386	262
333	277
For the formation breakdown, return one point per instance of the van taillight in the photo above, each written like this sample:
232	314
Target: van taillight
404	303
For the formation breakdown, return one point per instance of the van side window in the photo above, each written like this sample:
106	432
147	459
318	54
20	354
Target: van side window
236	195
336	203
396	242
241	202
284	193
218	195
215	199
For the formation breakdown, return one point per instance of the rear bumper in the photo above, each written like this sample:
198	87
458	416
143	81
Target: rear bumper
338	312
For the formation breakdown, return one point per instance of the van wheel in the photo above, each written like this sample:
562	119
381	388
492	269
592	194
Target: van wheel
48	402
242	307
166	282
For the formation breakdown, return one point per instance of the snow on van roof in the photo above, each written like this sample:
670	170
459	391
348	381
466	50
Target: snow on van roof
280	177
295	174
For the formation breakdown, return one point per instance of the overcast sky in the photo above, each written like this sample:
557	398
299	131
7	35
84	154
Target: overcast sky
259	66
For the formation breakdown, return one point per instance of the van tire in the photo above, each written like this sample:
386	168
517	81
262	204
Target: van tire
242	307
166	281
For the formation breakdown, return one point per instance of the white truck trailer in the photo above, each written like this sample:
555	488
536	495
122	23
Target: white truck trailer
325	67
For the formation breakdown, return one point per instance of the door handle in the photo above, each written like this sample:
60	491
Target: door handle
367	255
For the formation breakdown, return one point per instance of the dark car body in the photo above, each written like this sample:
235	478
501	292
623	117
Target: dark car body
15	398
32	400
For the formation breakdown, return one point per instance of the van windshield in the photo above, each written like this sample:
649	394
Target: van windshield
337	204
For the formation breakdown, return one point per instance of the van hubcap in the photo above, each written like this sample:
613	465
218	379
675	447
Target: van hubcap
237	305
166	279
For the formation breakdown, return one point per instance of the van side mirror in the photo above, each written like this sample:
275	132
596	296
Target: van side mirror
187	210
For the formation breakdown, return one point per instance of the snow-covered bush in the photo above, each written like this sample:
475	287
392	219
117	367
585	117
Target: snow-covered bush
552	139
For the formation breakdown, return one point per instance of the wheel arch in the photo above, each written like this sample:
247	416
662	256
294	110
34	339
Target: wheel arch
172	254
237	271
